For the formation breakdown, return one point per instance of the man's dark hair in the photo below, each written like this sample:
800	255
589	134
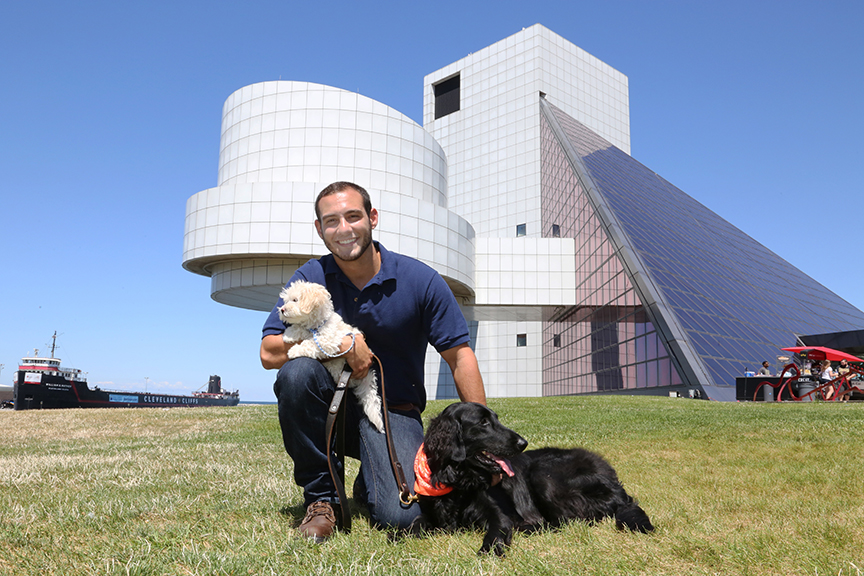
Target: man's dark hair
337	187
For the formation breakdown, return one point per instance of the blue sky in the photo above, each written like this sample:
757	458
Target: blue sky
110	115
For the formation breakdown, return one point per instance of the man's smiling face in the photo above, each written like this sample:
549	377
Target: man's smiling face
344	226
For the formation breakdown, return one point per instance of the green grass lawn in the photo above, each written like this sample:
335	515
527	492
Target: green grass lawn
733	488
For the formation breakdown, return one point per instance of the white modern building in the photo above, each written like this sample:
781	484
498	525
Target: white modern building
506	192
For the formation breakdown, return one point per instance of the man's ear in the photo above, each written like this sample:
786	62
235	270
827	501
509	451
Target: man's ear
318	229
373	218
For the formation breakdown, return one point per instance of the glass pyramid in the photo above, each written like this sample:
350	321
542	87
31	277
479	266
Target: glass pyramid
670	295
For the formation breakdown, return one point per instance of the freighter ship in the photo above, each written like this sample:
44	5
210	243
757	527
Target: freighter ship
42	383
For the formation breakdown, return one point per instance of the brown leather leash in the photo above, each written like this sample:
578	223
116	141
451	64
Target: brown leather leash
405	495
335	428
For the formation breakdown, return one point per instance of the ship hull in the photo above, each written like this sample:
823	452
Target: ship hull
54	391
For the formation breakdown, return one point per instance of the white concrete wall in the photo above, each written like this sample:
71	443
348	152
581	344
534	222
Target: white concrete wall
493	150
283	142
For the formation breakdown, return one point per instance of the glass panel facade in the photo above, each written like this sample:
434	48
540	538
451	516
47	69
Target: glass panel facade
605	342
732	301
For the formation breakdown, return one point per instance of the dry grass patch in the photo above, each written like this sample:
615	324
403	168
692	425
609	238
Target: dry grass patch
732	488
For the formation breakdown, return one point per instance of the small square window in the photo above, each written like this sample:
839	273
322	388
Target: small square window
521	340
556	231
446	96
520	230
556	340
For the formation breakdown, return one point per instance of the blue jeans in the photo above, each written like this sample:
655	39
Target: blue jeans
304	390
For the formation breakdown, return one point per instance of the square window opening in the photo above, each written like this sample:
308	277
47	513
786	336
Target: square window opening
446	96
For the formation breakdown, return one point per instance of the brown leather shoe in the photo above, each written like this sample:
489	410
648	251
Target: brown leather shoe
319	523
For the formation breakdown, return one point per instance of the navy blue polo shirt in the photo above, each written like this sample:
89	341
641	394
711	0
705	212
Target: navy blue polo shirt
404	307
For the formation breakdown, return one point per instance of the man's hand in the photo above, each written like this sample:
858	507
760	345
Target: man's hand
274	353
359	357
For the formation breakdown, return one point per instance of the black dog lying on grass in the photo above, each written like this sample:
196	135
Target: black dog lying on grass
466	447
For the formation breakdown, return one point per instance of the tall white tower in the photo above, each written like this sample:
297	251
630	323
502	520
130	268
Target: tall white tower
484	110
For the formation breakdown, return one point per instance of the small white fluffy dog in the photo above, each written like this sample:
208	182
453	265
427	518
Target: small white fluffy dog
316	331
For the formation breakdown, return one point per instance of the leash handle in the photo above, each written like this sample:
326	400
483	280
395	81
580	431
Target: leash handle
335	427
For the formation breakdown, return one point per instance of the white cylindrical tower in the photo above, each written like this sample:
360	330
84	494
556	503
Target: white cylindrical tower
282	142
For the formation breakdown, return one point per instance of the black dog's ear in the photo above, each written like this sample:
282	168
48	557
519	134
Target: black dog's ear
443	442
446	476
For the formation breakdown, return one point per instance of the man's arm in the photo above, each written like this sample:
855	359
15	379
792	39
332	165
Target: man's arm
466	373
274	353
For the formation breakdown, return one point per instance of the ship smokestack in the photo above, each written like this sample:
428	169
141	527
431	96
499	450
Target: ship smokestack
215	385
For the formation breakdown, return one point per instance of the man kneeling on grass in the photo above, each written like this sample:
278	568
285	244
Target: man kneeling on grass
400	304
